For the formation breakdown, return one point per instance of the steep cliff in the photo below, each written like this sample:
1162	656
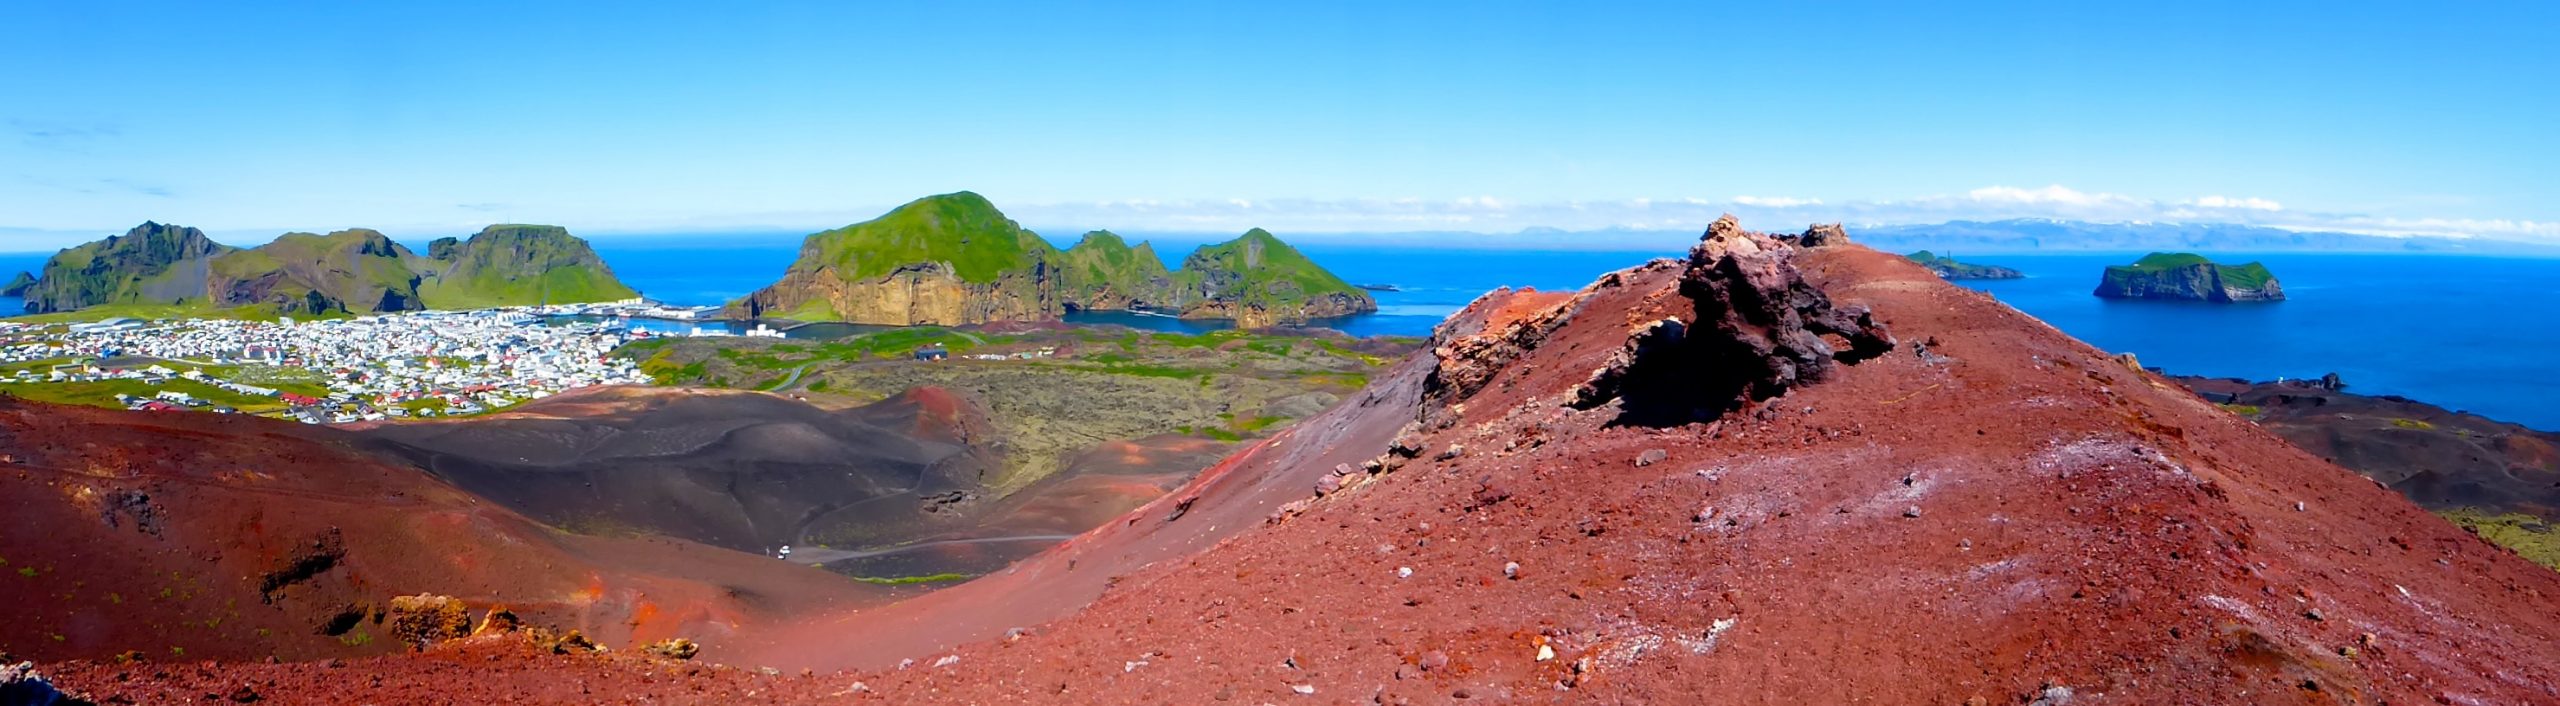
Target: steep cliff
354	271
954	259
947	259
2187	276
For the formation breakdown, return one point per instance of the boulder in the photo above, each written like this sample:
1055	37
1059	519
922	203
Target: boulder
426	619
1822	235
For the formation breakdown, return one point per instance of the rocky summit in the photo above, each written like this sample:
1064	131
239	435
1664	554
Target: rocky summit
353	271
954	259
2189	277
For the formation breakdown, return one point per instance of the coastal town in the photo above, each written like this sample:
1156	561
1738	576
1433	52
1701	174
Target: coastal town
417	364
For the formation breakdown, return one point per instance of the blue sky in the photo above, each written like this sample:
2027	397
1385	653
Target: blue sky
1491	117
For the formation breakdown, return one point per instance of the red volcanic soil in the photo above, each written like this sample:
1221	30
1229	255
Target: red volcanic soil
478	670
186	536
1990	511
1985	512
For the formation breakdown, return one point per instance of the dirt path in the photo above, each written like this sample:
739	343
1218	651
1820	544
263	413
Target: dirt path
785	385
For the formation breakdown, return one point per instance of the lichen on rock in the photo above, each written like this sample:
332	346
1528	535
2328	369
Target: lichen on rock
426	619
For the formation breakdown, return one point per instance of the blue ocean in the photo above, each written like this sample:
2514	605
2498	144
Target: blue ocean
2465	332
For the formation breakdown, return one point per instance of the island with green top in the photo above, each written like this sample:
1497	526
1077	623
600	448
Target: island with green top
2189	277
1947	267
953	259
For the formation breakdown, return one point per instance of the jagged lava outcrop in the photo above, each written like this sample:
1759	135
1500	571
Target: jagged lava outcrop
351	271
954	259
2189	277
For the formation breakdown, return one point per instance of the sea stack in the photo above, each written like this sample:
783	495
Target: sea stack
18	286
2189	277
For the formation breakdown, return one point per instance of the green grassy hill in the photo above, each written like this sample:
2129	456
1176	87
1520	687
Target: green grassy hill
347	272
517	265
1257	269
1103	265
962	229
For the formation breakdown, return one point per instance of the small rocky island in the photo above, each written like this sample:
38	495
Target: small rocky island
1949	268
2189	277
18	285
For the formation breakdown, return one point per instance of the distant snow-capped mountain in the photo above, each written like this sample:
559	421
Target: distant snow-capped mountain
2050	234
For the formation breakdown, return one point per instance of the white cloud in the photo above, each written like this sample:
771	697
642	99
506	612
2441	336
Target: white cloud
2251	203
2055	194
1770	201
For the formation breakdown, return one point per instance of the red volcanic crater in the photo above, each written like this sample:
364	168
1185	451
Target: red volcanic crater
185	536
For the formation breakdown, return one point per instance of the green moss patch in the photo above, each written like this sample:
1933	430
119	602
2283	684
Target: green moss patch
2534	538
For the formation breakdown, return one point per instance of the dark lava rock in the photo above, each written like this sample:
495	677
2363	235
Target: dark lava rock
1756	330
1817	236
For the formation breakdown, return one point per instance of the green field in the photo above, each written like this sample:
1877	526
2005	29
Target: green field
151	312
1099	384
912	580
102	393
39	367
